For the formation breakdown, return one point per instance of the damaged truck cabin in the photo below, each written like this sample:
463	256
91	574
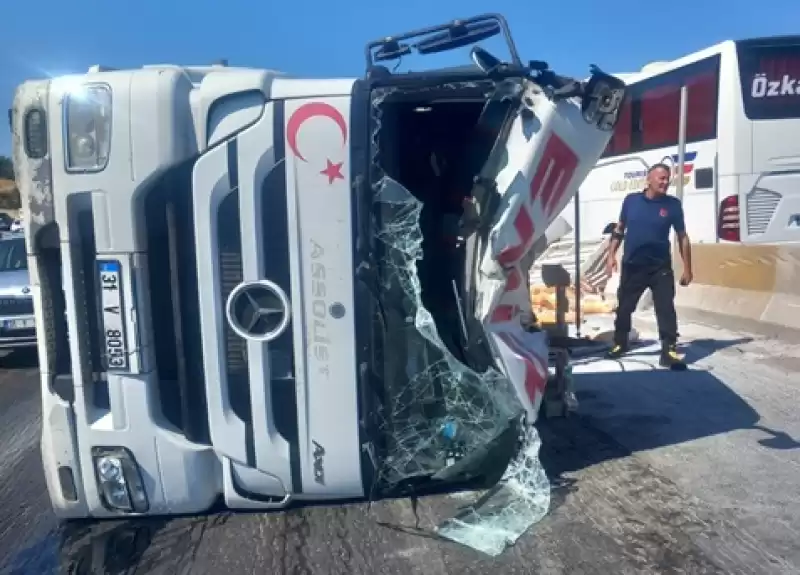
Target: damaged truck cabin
281	289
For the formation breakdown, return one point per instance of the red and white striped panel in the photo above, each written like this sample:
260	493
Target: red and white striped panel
533	203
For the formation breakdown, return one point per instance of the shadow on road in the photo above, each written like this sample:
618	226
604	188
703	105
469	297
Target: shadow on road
693	351
116	547
640	409
25	358
699	349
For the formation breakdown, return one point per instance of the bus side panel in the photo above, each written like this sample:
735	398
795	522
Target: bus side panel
612	179
700	197
769	198
734	130
768	76
770	207
600	197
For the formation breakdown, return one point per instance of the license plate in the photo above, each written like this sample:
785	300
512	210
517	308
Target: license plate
115	344
24	323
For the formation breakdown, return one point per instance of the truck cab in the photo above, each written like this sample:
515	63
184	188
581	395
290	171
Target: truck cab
281	288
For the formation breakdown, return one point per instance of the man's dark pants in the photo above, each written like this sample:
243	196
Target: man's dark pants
634	279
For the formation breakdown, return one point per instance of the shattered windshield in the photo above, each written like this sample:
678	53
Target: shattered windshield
441	419
446	407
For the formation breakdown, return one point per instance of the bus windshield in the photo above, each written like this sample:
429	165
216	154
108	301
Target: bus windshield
770	75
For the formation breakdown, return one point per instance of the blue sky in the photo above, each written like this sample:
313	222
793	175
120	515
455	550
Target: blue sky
326	38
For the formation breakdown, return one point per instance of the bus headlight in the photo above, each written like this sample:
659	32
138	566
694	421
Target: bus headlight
119	479
87	128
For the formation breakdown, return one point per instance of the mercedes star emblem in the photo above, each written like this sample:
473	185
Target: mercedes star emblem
258	310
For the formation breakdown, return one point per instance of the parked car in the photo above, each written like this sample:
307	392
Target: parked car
17	324
5	222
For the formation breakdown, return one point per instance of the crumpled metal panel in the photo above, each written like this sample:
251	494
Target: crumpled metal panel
447	411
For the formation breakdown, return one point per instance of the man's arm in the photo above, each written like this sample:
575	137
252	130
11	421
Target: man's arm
618	233
684	244
616	239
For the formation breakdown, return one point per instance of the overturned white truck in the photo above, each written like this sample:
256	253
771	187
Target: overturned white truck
266	289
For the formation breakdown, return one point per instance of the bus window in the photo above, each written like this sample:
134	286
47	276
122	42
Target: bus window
701	109
770	75
650	119
660	110
620	142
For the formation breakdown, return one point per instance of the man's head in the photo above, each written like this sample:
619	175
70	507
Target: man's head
658	178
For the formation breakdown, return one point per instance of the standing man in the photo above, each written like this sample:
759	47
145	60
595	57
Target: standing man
644	222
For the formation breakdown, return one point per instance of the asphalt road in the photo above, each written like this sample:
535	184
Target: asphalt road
661	473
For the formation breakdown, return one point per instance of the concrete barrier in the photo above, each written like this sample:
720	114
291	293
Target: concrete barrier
760	283
755	283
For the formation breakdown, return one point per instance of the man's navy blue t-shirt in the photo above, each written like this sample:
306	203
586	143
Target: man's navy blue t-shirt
647	223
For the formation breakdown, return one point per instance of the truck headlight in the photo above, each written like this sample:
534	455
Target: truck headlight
87	128
119	479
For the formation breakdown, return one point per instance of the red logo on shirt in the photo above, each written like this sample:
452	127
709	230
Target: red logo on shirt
663	212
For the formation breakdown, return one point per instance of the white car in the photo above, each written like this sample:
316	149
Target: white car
17	325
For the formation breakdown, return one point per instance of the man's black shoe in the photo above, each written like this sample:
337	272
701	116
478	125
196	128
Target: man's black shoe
670	358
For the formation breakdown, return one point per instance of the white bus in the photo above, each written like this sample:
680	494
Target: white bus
741	171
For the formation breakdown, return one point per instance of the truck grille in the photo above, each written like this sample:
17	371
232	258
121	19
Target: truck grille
248	240
182	252
175	309
16	306
237	369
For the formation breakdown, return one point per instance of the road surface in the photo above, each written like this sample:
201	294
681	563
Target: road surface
661	473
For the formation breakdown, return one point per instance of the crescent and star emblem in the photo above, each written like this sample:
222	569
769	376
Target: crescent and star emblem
333	171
